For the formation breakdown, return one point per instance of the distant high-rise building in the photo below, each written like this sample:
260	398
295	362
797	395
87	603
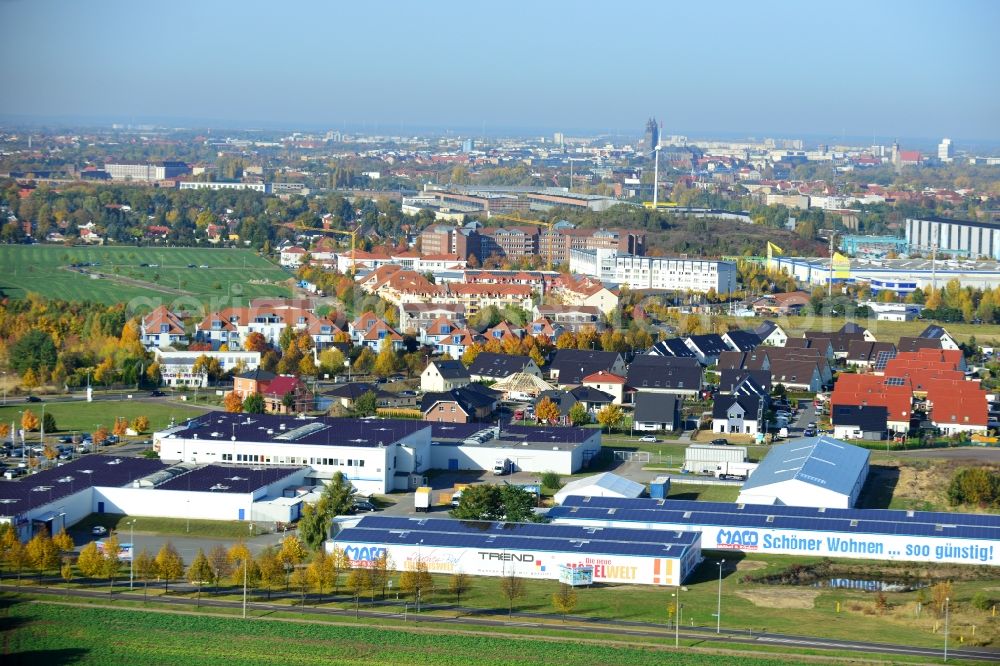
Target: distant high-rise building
652	138
559	138
944	150
468	145
894	156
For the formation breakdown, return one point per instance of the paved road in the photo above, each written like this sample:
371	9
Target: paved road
615	628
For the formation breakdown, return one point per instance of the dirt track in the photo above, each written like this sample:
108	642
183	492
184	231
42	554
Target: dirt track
977	453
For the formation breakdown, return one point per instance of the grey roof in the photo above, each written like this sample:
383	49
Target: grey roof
750	405
657	407
864	418
590	394
467	398
732	380
575	364
258	375
221	479
909	343
853	327
933	332
351	390
671	347
451	369
839	341
564	400
498	366
743	340
820	461
766	328
650	376
709	344
665	361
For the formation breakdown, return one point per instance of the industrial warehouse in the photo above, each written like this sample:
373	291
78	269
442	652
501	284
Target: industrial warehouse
378	456
61	496
877	534
525	550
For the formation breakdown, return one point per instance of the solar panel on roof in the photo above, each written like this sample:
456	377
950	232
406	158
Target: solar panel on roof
883	358
895	381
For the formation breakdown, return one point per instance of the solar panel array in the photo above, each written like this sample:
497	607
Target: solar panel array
860	521
883	357
895	381
56	483
518	536
217	478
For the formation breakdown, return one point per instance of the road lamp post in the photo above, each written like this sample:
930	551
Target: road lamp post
677	617
718	610
947	601
131	559
4	387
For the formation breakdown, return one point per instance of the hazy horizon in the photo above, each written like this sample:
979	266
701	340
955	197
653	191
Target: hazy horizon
888	70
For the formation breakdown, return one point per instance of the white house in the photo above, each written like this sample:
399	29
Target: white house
177	368
441	376
737	414
292	257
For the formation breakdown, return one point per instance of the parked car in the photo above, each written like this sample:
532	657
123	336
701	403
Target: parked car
364	505
13	472
32	398
156	394
99	530
720	442
66	439
647	438
809	432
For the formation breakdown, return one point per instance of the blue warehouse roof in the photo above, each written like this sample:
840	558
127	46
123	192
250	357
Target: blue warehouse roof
820	461
721	514
525	536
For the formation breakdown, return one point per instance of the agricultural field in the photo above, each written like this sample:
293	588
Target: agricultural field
119	278
87	416
43	633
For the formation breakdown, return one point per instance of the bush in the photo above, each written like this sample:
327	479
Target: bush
982	601
974	485
551	480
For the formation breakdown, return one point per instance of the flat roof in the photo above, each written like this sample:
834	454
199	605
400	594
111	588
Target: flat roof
55	483
516	536
222	479
528	437
267	428
763	516
909	265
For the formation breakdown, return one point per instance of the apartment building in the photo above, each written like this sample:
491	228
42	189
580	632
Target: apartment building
657	273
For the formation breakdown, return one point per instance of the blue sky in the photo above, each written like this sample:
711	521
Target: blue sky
908	69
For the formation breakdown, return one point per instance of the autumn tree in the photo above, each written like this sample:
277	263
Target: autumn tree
272	570
253	404
292	553
233	403
199	572
100	435
120	427
416	580
255	342
578	415
110	562
90	560
610	416
42	553
144	567
320	573
63	542
512	588
940	593
208	365
244	568
140	424
385	362
546	411
222	567
169	565
331	361
458	585
29	421
300	581
17	557
564	599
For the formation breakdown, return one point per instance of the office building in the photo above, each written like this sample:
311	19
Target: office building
944	150
657	273
146	173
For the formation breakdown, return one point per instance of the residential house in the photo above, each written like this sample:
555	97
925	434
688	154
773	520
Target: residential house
492	367
161	328
672	347
748	382
913	344
586	290
593	400
657	412
613	385
870	355
655	374
564	400
738	414
292	257
840	341
440	376
466	404
573	318
706	348
934	332
248	383
741	340
867	422
797	375
177	368
414	317
544	327
274	393
823	345
456	343
771	334
570	366
787	303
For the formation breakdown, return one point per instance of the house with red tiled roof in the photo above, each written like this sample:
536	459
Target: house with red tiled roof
459	341
291	257
589	291
161	328
275	390
374	337
503	332
608	382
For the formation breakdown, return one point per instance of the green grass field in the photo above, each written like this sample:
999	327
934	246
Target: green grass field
40	633
43	269
87	416
883	330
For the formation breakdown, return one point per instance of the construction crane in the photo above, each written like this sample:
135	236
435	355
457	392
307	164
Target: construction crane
520	220
353	234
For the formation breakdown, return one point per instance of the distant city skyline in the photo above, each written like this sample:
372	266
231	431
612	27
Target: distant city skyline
781	69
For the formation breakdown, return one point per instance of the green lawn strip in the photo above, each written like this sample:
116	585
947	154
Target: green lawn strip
222	529
87	416
229	272
707	493
883	330
103	635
